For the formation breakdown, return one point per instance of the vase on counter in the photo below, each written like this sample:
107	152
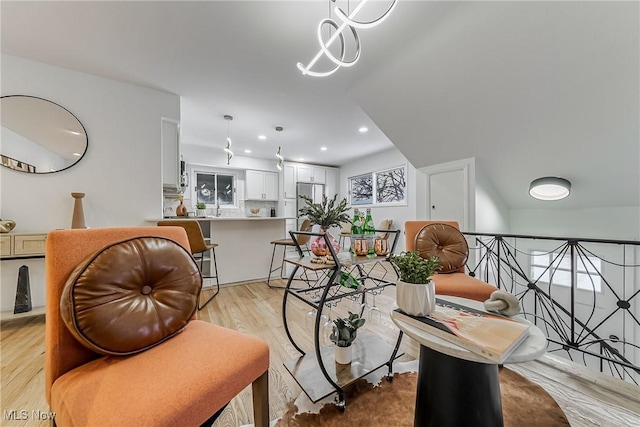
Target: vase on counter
181	210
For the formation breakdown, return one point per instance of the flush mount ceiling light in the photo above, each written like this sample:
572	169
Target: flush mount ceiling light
549	188
228	147
348	20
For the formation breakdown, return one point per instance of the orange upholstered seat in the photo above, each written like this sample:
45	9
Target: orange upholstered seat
183	381
455	283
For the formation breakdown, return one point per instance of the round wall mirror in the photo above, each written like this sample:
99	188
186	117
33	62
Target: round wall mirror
39	136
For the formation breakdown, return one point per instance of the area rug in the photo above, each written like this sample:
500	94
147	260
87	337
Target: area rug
391	404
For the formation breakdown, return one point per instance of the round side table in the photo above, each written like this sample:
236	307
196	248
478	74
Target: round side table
457	387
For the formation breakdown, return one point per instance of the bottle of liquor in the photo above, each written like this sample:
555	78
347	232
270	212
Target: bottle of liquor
368	229
356	229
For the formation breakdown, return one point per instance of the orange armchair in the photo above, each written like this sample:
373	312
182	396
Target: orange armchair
447	242
183	381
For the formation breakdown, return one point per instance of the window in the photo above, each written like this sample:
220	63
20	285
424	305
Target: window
559	271
215	189
390	187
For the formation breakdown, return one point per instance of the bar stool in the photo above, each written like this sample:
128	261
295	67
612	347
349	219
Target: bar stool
345	233
198	246
302	241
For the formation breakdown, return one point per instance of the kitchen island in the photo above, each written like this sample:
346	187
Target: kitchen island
244	245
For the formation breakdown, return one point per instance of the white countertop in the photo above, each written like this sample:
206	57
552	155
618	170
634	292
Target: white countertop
219	218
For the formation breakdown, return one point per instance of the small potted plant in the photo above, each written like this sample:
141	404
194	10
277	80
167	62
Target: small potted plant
344	333
415	291
326	214
201	209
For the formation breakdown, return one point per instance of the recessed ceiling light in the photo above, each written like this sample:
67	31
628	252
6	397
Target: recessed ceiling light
323	148
301	159
262	137
77	154
363	129
247	151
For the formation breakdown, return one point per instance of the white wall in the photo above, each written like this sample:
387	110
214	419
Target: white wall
492	214
603	223
120	172
380	161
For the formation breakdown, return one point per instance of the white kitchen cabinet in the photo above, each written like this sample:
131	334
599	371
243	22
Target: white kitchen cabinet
170	134
310	173
289	181
260	185
331	184
289	208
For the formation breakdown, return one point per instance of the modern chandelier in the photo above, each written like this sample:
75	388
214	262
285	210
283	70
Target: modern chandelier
347	20
278	155
280	159
228	147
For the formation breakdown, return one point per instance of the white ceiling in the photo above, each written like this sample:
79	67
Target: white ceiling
528	88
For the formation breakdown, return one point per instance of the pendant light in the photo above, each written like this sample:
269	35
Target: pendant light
227	149
278	155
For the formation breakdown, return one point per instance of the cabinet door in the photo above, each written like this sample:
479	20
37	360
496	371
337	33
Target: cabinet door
304	173
290	208
6	247
254	185
289	181
270	186
318	175
170	153
331	184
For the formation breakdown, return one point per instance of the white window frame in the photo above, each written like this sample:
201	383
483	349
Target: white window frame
374	188
215	174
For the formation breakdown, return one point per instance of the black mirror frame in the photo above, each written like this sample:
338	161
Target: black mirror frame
65	109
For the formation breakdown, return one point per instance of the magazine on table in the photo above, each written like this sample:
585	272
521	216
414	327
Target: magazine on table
492	336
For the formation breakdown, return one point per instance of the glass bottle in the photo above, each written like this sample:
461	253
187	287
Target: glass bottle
369	230
356	228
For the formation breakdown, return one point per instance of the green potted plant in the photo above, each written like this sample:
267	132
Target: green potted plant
201	209
415	291
344	332
326	214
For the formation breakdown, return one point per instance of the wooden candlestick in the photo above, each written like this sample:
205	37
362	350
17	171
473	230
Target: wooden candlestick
78	211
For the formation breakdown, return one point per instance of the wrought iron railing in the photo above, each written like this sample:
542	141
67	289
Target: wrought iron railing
583	293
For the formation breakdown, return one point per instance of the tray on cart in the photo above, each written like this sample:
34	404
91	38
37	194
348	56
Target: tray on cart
368	354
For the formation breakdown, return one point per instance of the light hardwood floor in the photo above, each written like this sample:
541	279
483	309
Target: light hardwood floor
588	399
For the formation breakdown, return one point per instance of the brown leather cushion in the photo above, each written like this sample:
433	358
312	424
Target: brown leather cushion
445	242
131	295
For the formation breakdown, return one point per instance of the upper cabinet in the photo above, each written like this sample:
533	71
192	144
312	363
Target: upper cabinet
331	185
170	153
289	181
261	185
311	173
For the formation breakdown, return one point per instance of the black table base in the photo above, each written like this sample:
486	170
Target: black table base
454	392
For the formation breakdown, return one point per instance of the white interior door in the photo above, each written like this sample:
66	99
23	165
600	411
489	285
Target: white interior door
447	196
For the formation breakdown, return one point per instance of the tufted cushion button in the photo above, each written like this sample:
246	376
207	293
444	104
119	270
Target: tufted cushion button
131	295
445	242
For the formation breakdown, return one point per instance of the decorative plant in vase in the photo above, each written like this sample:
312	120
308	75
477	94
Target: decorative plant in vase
415	291
326	214
201	209
344	333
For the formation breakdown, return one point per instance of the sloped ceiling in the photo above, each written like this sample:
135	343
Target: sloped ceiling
529	89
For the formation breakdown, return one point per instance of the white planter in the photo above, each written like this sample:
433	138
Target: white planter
201	212
416	299
343	355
